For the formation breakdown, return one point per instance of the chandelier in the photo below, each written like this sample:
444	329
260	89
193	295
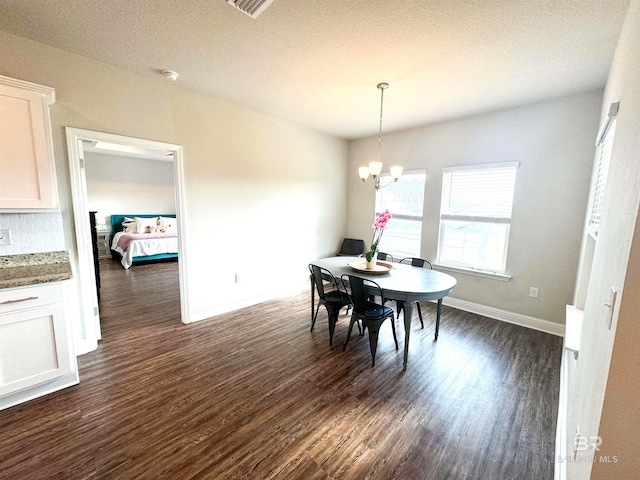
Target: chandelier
375	168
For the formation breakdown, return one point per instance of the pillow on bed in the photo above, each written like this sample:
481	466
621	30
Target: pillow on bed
144	223
169	224
129	225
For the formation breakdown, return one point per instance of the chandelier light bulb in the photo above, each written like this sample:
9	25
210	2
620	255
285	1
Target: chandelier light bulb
375	168
396	171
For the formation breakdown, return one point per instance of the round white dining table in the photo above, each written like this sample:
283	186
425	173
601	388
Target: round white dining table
403	282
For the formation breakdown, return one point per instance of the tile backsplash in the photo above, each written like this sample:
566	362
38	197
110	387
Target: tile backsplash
32	232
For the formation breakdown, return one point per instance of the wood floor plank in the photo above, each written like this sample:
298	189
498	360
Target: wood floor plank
254	394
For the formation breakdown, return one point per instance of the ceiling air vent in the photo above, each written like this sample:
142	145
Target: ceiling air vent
253	8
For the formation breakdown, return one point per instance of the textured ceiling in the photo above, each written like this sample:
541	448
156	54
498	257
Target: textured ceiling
317	62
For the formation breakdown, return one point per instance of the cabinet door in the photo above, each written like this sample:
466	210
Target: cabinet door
26	151
34	347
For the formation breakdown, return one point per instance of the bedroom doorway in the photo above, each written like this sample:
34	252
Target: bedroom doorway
78	142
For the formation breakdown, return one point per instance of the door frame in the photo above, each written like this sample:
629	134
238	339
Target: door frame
87	290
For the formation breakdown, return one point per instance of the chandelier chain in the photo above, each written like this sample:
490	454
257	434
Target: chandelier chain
380	130
374	169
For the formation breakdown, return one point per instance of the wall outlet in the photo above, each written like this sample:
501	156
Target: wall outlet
238	278
533	292
5	237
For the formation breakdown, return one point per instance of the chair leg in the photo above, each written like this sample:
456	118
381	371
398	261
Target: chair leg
332	312
313	319
420	314
360	331
353	320
332	328
393	328
373	342
399	307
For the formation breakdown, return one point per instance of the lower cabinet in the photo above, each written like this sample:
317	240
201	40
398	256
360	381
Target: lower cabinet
36	346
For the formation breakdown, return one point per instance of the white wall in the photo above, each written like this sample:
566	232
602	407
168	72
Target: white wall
259	191
554	143
117	184
605	389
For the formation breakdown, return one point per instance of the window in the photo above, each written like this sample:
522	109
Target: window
603	154
405	201
475	214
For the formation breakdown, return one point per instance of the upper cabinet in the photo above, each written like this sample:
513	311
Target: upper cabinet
28	180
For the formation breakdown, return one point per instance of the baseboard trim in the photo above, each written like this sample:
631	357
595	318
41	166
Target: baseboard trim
484	310
506	316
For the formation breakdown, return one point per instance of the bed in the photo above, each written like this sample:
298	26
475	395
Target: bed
153	237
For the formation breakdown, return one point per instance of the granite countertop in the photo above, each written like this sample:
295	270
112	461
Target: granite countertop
33	268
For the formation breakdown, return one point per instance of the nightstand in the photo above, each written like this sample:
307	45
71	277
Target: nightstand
102	242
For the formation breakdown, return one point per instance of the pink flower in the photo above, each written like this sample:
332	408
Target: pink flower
379	225
382	219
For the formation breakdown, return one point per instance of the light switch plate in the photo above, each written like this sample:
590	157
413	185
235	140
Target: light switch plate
5	237
611	304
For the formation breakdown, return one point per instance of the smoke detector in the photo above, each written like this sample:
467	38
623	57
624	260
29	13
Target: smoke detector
253	8
170	75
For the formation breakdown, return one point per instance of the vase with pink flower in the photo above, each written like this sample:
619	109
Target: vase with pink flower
379	225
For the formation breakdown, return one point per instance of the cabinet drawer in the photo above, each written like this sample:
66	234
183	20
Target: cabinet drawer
13	299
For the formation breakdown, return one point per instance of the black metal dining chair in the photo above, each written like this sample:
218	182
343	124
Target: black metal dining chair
370	313
352	247
330	295
385	257
414	262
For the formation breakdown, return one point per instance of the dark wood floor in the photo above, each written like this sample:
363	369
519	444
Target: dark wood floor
253	394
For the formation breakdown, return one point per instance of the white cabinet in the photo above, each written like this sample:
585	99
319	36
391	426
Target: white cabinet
36	348
28	181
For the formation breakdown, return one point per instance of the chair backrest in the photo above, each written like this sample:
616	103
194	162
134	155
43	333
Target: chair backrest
320	274
361	290
385	256
352	247
417	262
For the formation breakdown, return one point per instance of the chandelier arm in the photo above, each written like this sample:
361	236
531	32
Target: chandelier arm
375	184
381	185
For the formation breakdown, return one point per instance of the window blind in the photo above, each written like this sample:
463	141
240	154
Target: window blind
475	216
479	192
605	145
405	201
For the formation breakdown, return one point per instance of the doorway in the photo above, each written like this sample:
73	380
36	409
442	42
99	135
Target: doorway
77	139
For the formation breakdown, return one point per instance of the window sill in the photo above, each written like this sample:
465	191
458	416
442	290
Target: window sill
476	273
